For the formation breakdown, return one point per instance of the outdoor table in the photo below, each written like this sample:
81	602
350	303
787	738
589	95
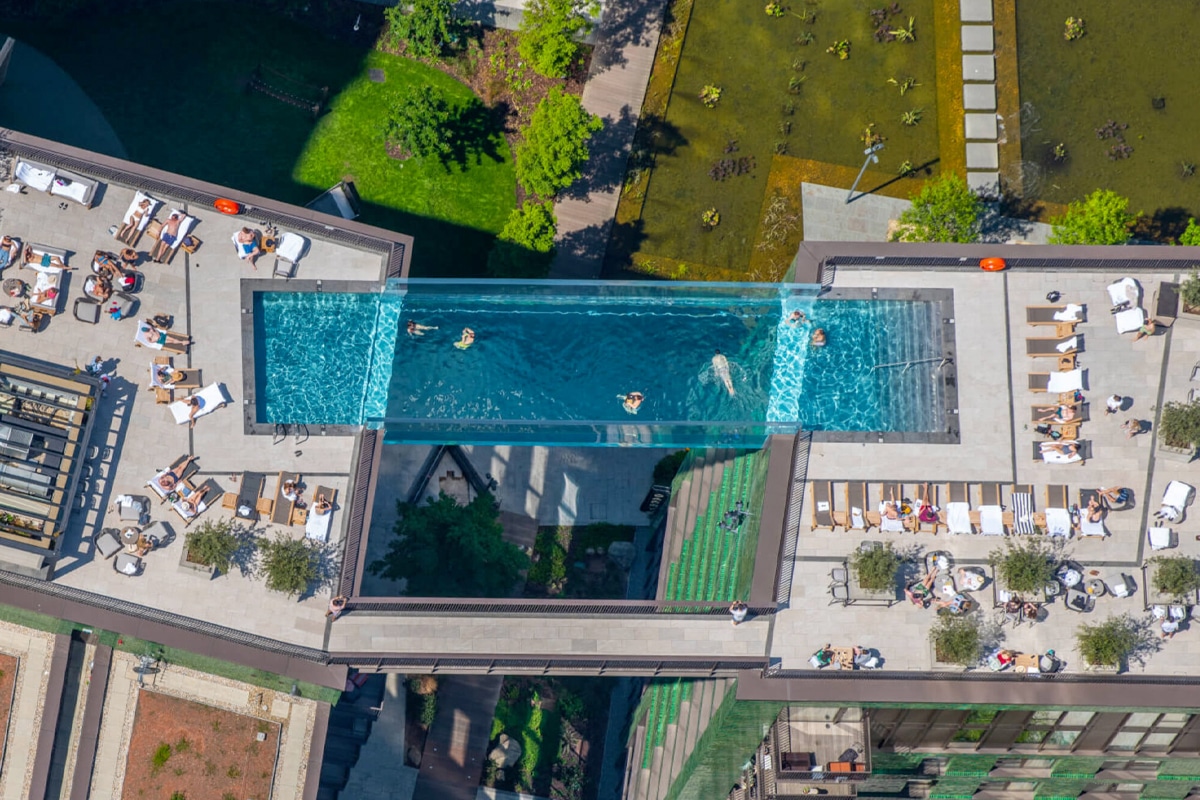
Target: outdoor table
1027	662
1095	587
14	287
843	657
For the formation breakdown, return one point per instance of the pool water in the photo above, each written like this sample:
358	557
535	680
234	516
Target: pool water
550	362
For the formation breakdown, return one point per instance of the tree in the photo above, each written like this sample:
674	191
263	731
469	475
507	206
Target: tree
548	33
945	210
289	564
525	246
876	568
1191	235
426	27
1023	568
1109	643
213	544
1101	218
445	549
419	123
554	145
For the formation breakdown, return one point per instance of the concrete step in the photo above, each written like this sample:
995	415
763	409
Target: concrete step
665	776
635	776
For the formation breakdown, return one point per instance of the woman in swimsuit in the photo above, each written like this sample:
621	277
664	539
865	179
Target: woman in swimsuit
1095	510
8	251
171	477
1057	414
322	506
468	339
135	219
162	336
191	503
413	329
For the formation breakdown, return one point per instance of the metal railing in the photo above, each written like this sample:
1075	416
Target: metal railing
537	607
560	665
983	675
361	496
792	513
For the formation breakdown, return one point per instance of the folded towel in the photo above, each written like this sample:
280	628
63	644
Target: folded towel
958	517
1069	313
1069	344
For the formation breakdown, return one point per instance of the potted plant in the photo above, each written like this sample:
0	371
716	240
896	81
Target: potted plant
1189	289
289	564
1175	577
1024	568
1106	646
210	548
1179	429
956	640
875	569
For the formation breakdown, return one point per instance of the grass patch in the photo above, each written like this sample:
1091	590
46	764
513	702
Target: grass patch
32	619
216	131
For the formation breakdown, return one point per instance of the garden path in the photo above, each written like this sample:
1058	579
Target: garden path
380	773
626	41
979	95
456	749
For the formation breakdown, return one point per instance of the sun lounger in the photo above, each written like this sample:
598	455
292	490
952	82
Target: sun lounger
1057	496
856	502
281	514
134	234
244	249
317	526
958	493
1165	305
1091	529
1021	499
155	232
246	503
1175	500
990	494
889	525
1038	348
1060	382
107	542
1058	522
1048	453
58	182
1159	538
144	337
187	472
958	518
1067	313
128	564
1125	293
822	505
187	378
1082	414
991	521
1130	321
186	490
291	249
211	398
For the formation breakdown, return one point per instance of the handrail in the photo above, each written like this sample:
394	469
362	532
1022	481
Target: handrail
537	607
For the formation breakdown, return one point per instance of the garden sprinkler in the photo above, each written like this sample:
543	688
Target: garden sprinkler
871	158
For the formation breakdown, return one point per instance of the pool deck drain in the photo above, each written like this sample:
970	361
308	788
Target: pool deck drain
979	95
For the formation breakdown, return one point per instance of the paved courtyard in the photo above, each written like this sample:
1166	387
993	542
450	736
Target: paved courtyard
997	438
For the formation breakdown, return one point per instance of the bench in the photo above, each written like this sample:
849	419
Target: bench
57	182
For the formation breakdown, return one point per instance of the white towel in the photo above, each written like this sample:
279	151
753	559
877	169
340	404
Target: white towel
991	521
317	525
1160	538
958	517
1177	494
856	520
149	215
1065	381
211	397
1125	290
1069	344
1130	320
1069	313
1058	522
1087	528
1055	457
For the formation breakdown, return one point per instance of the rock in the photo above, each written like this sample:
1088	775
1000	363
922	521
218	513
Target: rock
506	753
414	756
623	553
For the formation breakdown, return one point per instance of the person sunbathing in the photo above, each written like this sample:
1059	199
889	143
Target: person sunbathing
1146	330
1095	510
928	512
891	510
1114	496
44	297
169	479
1057	414
167	237
44	260
322	506
959	604
99	287
1065	448
919	592
191	503
163	336
247	245
9	251
135	219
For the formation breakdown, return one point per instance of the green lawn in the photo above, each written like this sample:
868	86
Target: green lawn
187	111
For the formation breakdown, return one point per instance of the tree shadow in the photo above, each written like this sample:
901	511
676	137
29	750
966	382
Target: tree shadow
623	145
245	558
925	169
625	23
1164	226
475	134
577	251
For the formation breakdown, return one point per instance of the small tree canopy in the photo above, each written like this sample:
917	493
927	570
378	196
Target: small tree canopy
1100	218
554	145
1191	235
548	33
289	564
444	549
419	123
525	246
427	27
945	210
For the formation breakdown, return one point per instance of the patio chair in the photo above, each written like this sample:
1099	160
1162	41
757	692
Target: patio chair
822	505
1058	382
292	247
1021	499
1176	497
1124	587
1079	601
1038	348
86	310
128	564
108	542
856	502
839	575
1160	538
121	306
840	594
1124	294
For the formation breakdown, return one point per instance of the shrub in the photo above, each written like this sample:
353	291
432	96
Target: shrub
531	740
427	27
551	567
571	706
554	144
1176	576
418	123
956	640
944	210
668	466
876	568
1100	218
162	754
1179	424
525	247
428	709
423	684
1189	289
213	544
1190	236
1023	568
1109	643
289	564
548	34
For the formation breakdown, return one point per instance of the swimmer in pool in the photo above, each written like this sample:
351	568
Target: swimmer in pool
468	339
632	401
413	329
797	318
720	366
818	337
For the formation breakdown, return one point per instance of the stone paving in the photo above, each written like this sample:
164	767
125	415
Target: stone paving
380	772
997	438
979	95
296	717
139	438
34	651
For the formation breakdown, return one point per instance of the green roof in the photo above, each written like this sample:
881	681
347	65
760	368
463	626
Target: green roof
973	764
1076	767
1060	789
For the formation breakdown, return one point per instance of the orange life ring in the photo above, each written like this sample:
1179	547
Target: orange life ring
227	206
992	264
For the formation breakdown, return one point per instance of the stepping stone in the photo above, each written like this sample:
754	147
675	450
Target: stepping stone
983	156
984	182
979	96
980	126
975	10
978	38
979	68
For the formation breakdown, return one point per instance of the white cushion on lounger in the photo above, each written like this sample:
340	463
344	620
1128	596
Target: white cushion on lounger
184	227
991	520
1058	522
1069	313
1087	528
144	335
958	517
242	253
1160	538
317	526
34	177
1125	290
149	215
291	247
1055	457
891	525
72	190
1065	381
212	397
1177	494
1129	321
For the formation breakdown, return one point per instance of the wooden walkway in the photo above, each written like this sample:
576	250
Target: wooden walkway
452	764
626	41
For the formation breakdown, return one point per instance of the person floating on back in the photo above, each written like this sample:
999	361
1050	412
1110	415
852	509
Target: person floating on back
468	339
721	370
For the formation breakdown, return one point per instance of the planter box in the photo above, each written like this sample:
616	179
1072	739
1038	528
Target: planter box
1187	314
943	666
1182	454
192	566
1095	669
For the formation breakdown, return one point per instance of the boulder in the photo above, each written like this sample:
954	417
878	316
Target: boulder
622	553
506	753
